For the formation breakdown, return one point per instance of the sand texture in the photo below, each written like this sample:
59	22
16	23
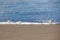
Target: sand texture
29	32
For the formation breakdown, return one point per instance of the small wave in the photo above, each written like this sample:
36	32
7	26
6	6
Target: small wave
19	22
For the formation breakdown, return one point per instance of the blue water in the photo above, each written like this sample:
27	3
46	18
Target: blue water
29	10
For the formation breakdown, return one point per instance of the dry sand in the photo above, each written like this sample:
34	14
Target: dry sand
29	32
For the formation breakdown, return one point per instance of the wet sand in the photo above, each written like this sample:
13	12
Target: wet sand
29	32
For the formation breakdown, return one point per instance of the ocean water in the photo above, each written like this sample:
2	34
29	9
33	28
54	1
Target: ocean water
29	10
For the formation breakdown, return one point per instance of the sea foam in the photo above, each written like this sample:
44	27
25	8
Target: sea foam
19	22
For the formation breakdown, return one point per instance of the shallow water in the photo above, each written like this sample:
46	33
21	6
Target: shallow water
29	10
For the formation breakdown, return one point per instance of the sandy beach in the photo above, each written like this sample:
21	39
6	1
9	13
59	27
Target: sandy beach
30	32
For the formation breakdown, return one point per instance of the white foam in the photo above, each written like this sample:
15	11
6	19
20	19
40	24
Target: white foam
28	23
24	23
